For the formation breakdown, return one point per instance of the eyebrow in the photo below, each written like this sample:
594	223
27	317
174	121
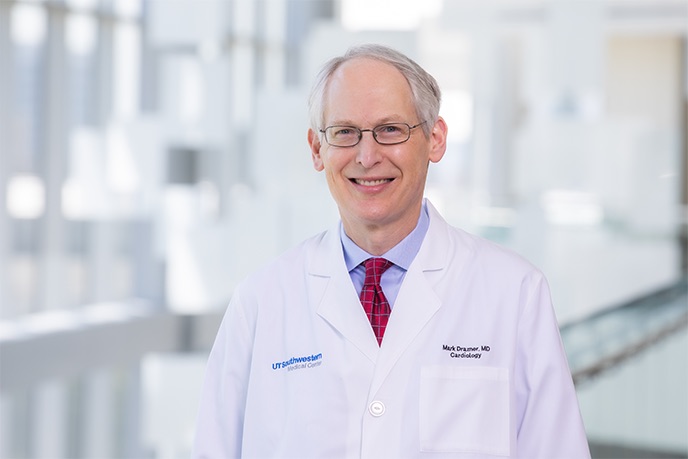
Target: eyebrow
386	120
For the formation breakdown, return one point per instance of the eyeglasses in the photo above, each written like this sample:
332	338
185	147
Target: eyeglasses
384	134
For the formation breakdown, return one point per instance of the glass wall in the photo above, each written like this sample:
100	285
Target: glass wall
153	152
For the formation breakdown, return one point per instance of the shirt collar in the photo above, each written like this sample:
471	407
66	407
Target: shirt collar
401	254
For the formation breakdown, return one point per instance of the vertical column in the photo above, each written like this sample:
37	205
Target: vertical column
104	71
5	63
129	406
242	115
275	34
484	85
96	429
55	160
49	435
683	173
9	431
102	260
99	257
50	407
97	434
487	161
574	91
575	54
243	64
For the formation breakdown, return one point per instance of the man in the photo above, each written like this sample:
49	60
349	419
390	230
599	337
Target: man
310	362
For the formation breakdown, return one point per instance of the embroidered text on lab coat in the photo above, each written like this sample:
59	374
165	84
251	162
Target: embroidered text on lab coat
465	352
296	363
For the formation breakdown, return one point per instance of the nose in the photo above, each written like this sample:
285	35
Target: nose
368	150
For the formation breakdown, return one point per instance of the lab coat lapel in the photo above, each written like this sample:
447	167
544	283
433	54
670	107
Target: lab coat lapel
417	301
334	296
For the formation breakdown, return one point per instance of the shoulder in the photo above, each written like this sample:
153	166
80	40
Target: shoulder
286	267
495	271
495	255
478	252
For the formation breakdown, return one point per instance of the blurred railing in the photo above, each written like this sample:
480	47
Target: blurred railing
612	335
66	343
72	345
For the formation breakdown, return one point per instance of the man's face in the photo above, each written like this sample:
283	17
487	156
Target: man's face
376	187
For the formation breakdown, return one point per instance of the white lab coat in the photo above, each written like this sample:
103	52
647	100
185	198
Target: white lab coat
471	364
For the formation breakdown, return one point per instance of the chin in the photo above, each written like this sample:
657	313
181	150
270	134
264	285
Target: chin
374	216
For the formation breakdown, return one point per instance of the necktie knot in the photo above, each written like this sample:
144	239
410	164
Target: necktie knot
374	267
374	302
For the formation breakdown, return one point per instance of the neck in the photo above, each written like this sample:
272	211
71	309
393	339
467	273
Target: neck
377	239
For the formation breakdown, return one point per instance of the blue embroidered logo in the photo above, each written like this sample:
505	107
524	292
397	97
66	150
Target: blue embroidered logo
297	363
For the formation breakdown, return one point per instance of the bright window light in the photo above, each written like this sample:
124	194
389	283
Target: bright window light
242	107
28	24
83	4
457	110
128	8
191	90
387	14
572	208
25	197
74	200
81	34
122	170
209	197
127	67
503	217
84	192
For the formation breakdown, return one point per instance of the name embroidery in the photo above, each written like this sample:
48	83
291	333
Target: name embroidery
298	363
465	352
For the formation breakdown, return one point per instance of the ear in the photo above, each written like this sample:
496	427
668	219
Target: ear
314	143
438	140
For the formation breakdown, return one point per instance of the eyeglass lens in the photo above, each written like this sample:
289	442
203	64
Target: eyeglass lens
386	134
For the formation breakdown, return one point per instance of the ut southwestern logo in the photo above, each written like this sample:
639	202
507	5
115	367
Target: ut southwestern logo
298	363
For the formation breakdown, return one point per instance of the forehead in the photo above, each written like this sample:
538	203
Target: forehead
368	90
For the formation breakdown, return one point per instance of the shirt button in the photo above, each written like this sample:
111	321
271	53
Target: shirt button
377	408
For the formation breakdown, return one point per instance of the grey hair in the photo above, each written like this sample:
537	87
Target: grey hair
424	89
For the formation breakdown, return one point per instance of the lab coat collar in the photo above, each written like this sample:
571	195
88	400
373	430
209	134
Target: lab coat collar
335	299
333	294
432	255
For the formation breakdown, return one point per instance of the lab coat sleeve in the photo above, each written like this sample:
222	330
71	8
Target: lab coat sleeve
550	421
219	427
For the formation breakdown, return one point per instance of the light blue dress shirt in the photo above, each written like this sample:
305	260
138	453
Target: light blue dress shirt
401	255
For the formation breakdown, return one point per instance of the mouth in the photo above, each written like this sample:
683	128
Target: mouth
371	182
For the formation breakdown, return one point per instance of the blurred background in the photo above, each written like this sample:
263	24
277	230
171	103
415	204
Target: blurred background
153	152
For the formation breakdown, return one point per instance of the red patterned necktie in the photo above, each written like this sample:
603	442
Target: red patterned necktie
374	302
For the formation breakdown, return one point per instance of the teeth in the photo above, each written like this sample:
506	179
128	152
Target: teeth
371	182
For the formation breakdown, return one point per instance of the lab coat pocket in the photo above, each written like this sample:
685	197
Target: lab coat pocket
464	409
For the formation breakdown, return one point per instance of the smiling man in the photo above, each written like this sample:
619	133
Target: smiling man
378	188
392	334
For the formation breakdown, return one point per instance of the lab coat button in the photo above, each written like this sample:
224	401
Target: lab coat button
377	408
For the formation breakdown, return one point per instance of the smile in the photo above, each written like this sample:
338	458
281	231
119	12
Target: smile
371	182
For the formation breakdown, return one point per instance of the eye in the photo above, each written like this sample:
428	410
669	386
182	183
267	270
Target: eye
338	132
390	129
342	131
